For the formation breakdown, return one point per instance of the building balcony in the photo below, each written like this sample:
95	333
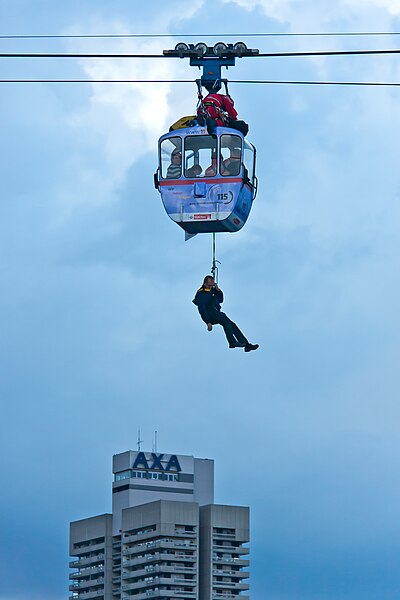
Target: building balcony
238	562
183	533
231	549
84	584
141	538
157	569
228	573
231	585
157	557
158	581
86	561
98	595
216	596
87	572
229	537
162	594
175	544
89	548
128	538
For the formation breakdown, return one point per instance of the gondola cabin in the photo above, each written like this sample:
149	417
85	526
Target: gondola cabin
207	183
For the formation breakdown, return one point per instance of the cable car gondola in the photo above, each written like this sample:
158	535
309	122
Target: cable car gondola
206	174
207	182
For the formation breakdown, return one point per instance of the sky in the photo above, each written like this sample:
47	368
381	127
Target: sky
98	335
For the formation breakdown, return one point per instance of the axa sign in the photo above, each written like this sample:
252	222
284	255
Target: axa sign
156	462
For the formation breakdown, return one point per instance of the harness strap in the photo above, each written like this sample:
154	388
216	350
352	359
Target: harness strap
200	104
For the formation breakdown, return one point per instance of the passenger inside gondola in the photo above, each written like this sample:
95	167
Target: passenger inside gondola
194	171
175	168
231	165
212	169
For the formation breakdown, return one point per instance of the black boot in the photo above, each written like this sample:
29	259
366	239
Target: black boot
250	347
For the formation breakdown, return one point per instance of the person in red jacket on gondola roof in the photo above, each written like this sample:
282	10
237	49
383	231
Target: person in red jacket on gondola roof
218	110
218	104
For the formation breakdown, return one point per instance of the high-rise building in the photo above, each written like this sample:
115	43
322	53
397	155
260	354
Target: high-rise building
165	538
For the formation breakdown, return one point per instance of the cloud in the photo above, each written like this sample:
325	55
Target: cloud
120	123
311	15
391	6
332	182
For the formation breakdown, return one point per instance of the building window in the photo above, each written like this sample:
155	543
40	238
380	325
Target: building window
122	475
145	475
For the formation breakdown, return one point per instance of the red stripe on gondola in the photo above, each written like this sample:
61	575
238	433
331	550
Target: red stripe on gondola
172	182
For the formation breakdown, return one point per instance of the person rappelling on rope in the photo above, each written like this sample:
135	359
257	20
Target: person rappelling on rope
208	300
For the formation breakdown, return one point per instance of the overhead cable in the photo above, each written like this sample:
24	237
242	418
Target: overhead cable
130	56
353	83
197	35
240	81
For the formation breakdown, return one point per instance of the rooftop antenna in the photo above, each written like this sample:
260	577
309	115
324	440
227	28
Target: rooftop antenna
155	442
139	441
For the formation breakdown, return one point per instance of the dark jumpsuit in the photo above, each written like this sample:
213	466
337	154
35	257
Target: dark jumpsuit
208	301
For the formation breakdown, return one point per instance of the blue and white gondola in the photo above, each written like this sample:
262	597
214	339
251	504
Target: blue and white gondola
214	188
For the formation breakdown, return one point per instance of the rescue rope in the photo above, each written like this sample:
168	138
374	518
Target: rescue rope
215	262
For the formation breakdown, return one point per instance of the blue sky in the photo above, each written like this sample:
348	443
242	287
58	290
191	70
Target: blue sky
98	333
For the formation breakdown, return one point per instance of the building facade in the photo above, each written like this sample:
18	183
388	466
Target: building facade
165	538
